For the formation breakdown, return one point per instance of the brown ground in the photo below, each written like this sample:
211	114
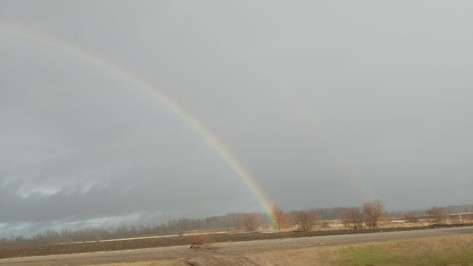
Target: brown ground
320	250
9	251
324	255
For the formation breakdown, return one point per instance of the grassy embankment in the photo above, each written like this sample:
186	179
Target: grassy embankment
452	250
456	250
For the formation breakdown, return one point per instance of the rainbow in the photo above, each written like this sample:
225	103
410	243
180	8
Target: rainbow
191	121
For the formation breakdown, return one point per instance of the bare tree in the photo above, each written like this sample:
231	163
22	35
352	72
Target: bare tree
439	214
352	218
250	222
306	220
374	211
280	217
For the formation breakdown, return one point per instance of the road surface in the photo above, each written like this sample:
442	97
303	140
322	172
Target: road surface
233	253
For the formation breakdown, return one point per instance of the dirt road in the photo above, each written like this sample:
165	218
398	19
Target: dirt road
234	253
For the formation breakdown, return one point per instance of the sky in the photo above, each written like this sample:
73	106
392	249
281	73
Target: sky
322	103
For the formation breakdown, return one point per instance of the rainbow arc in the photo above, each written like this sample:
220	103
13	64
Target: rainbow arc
147	87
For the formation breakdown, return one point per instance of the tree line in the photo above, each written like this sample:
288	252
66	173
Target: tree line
353	218
369	215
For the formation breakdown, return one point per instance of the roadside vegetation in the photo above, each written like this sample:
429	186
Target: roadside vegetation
372	215
451	250
456	250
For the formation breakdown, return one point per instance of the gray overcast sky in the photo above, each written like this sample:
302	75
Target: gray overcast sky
326	103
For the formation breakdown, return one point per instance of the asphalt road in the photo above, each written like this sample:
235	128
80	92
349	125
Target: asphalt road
232	249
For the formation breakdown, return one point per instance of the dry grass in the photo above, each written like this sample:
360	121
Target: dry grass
201	241
148	263
454	250
333	225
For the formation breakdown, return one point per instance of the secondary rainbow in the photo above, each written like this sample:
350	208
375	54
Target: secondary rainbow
151	90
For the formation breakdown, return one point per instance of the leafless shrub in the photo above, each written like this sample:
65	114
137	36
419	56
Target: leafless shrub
201	241
305	220
250	222
280	217
439	214
325	224
374	211
352	218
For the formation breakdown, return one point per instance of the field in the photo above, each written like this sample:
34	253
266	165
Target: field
442	246
454	250
8	251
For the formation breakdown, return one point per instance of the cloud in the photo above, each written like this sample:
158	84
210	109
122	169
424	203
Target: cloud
325	104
